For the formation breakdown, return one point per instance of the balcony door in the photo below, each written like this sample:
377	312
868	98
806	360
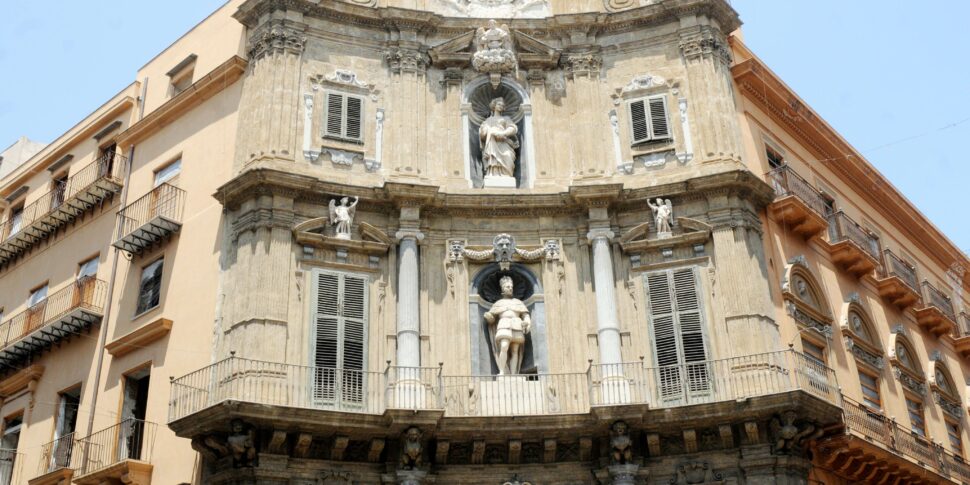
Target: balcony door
131	429
36	307
8	449
339	338
67	407
682	373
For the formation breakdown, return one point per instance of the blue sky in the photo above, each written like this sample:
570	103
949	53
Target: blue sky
891	75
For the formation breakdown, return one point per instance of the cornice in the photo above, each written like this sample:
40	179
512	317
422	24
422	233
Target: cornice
252	12
769	92
208	86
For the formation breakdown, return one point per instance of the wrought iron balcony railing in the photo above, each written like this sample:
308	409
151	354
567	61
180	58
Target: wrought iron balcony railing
131	439
56	454
786	182
933	297
150	219
63	313
62	204
893	265
245	380
890	435
843	228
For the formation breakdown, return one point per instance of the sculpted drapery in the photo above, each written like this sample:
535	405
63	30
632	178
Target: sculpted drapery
499	140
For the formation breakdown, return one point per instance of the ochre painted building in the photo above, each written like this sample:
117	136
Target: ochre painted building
308	245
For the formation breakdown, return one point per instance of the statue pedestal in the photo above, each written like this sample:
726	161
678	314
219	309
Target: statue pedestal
500	181
511	395
410	477
623	474
615	390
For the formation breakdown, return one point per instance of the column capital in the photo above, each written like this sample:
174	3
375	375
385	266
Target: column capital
600	233
403	234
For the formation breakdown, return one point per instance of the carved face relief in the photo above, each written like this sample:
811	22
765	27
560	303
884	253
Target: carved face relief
903	355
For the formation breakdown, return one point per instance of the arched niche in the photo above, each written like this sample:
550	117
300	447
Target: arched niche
804	299
945	391
474	109
483	292
860	336
906	363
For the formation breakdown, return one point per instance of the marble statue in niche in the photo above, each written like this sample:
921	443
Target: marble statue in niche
663	212
498	138
342	216
509	322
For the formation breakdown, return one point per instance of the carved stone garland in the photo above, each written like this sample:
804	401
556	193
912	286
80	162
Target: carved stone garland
504	252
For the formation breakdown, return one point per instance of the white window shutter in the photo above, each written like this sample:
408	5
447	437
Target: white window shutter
326	351
677	326
354	120
335	115
340	342
659	128
639	121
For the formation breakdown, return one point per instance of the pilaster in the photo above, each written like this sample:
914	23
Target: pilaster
407	114
583	67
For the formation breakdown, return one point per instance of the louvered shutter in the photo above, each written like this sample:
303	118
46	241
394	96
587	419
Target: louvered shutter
677	323
340	337
691	323
353	118
326	352
354	306
638	121
659	129
334	126
664	334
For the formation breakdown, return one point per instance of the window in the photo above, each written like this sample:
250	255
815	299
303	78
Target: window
180	76
916	420
169	173
133	410
955	438
648	119
16	220
870	390
344	117
150	287
183	81
814	352
8	448
339	336
37	296
106	160
58	189
67	408
775	159
88	268
677	327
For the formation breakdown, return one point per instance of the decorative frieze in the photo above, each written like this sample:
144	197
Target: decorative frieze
705	42
909	381
807	320
579	64
864	355
950	407
504	251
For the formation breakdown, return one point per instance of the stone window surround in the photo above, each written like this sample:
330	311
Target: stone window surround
643	87
805	315
342	152
858	344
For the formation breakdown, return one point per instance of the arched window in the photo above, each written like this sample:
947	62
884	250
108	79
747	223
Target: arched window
945	392
905	364
806	303
863	342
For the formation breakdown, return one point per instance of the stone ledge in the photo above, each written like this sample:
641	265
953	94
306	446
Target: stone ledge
139	337
130	472
20	380
61	476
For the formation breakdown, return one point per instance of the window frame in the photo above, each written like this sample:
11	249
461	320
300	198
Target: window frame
139	311
79	276
958	449
649	119
921	414
874	388
175	162
344	104
45	286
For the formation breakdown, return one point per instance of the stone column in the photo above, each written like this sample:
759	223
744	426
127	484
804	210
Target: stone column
408	390
607	323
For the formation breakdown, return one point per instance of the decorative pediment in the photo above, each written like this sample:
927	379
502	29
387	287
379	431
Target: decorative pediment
804	299
686	232
312	233
860	337
531	52
905	364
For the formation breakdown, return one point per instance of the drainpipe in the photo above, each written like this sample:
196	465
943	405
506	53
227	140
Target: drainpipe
103	333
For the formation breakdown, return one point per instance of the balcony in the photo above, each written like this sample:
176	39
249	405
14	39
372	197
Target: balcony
119	454
54	466
852	247
238	383
875	449
935	312
63	314
65	203
961	341
897	281
797	204
150	220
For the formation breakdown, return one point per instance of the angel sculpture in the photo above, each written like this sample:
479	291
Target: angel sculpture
663	211
342	216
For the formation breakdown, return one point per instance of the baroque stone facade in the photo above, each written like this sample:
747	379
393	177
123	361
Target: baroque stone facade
491	242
